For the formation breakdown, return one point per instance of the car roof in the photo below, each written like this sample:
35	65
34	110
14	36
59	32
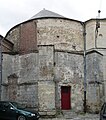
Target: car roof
6	101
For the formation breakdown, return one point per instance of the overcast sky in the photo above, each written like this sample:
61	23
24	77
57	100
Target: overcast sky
13	12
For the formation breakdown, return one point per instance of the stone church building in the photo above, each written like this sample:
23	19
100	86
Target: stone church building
43	66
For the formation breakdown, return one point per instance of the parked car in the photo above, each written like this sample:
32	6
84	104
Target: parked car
103	112
15	111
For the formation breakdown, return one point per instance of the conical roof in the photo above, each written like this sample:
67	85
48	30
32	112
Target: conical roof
46	13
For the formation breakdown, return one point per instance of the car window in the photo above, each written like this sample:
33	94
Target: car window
18	105
6	105
104	108
1	106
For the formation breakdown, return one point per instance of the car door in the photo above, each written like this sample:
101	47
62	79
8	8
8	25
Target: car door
8	112
1	111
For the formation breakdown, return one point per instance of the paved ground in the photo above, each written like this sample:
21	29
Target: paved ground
73	116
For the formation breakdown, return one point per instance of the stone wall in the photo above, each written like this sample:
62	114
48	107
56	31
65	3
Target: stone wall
46	62
101	37
46	96
24	37
95	84
90	34
35	72
95	39
25	67
46	85
57	62
28	94
14	36
69	72
63	34
94	61
38	74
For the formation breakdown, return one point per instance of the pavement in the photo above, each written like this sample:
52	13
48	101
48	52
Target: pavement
74	116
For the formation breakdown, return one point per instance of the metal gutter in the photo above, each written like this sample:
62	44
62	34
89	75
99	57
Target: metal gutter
85	82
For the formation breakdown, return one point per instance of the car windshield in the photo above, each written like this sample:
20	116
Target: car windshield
18	105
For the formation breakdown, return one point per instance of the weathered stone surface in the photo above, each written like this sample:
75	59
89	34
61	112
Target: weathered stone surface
95	37
63	34
7	65
95	95
46	63
46	95
28	94
28	69
58	62
69	72
14	37
94	61
69	67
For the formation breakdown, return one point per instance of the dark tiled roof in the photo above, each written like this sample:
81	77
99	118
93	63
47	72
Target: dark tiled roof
46	13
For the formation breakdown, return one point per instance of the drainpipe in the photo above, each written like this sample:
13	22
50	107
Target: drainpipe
1	67
85	82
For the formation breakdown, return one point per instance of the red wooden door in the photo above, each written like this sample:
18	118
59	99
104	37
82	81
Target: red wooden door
65	98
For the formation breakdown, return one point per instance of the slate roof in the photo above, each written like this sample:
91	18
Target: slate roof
46	13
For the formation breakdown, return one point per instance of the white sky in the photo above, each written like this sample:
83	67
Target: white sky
13	12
